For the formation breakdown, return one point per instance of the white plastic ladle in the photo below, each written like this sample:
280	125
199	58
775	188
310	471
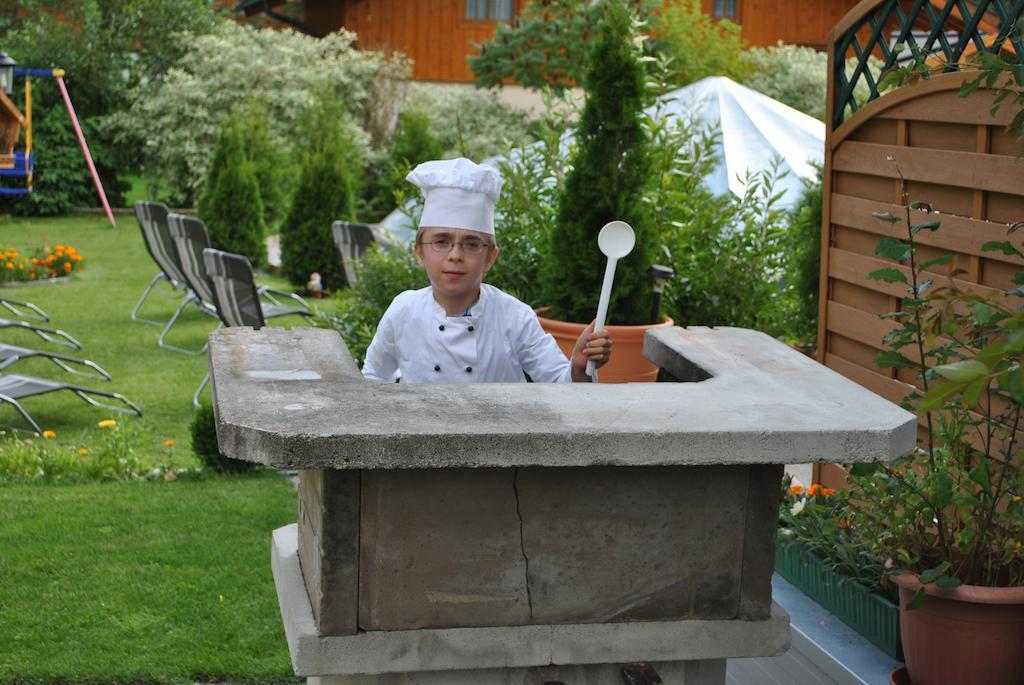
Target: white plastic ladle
616	240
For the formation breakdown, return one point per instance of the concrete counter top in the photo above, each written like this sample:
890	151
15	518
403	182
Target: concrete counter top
295	399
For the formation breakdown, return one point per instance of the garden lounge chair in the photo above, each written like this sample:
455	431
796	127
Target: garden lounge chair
50	335
14	387
18	309
190	239
237	297
352	241
152	218
12	354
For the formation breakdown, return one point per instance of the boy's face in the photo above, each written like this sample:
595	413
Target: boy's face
456	274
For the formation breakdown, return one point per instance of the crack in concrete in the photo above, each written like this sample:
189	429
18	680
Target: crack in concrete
522	541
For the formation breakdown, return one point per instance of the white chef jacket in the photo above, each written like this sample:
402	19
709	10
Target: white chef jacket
500	339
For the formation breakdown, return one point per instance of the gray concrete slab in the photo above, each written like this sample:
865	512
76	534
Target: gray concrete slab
294	399
458	649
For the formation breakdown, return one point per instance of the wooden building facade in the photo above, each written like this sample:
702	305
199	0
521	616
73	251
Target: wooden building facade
440	34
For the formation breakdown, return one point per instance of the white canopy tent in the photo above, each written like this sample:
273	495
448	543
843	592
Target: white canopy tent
754	130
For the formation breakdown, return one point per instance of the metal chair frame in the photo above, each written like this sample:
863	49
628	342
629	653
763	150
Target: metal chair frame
225	268
50	335
12	389
12	354
14	306
352	240
152	218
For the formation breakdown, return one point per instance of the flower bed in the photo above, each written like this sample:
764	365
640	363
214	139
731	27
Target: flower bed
867	612
44	263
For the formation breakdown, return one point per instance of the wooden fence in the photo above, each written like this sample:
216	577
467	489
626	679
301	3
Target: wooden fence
951	151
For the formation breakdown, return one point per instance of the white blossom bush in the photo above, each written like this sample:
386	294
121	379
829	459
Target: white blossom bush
174	123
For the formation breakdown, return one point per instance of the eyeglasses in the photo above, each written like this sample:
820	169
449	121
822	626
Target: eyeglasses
470	246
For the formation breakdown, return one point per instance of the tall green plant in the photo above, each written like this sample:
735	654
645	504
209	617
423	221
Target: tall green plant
231	204
325	193
700	45
950	510
609	171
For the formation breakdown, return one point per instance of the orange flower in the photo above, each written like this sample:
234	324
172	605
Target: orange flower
49	435
83	452
67	266
796	489
9	265
828	492
845	523
814	490
168	443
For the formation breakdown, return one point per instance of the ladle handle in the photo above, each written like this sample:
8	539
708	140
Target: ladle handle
602	305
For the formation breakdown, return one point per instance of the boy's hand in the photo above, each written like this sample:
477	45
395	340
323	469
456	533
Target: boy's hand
590	346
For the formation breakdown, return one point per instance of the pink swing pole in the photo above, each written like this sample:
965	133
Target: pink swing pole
59	75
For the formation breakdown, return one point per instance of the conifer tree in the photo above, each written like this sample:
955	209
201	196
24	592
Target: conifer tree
325	193
609	171
231	205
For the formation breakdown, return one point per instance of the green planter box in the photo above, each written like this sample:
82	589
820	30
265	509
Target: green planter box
870	614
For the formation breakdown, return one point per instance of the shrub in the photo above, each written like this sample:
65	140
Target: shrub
231	205
324	194
204	444
544	47
606	182
470	123
803	265
412	144
793	74
174	123
382	275
698	44
272	168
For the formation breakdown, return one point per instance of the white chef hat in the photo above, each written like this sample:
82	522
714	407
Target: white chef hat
457	193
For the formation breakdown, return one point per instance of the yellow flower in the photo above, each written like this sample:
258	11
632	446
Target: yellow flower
107	423
49	434
168	443
83	452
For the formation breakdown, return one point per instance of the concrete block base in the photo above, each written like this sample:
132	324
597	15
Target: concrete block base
511	649
671	673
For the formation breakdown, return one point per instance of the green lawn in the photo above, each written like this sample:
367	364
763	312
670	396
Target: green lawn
142	582
94	308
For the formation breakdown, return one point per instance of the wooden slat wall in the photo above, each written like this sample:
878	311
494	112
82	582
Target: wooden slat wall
435	34
804	22
954	155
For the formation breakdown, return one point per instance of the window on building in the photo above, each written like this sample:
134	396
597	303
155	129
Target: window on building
489	9
725	8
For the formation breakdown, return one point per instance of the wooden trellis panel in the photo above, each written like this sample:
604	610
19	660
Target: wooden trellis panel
953	154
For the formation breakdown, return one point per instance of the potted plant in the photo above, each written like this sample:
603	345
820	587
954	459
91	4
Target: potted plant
948	517
609	171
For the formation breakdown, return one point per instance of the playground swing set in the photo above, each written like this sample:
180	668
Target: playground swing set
20	164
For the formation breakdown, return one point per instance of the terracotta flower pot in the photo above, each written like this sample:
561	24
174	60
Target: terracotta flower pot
969	635
627	364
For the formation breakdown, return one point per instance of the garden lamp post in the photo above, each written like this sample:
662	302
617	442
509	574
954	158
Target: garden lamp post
7	73
660	274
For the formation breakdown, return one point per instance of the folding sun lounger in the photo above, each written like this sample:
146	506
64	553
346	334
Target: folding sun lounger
14	387
18	309
238	298
152	218
352	241
11	354
50	335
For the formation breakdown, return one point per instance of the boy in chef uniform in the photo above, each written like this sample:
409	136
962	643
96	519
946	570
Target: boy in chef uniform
459	329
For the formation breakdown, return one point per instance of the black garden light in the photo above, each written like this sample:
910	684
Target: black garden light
7	73
660	274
